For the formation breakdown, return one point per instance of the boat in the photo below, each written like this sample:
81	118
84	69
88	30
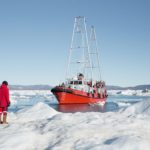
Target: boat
83	84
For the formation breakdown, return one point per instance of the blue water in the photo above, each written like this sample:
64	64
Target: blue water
72	108
114	103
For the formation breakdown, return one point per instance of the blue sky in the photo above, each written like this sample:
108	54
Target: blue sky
35	37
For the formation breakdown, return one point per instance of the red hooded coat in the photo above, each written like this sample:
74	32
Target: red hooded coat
4	96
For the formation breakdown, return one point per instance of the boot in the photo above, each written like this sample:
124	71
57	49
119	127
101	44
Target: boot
4	119
1	120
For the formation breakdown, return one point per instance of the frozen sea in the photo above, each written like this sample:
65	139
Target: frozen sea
37	122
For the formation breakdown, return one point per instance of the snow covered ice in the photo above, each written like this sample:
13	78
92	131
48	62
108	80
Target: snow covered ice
39	126
129	92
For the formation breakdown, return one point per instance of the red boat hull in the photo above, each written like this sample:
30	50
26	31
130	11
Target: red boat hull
69	96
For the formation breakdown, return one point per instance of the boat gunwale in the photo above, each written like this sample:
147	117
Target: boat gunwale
70	91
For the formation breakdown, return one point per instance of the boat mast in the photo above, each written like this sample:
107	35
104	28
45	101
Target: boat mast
79	56
94	55
69	58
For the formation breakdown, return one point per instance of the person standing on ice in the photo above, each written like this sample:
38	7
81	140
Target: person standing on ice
4	101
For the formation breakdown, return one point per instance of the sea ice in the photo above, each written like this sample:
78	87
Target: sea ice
41	127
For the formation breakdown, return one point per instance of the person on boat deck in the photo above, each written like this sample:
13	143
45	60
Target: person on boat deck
63	84
4	101
80	76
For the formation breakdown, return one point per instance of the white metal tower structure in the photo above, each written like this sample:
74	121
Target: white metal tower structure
79	56
94	55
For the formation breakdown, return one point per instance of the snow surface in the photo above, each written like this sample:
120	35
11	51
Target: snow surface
53	130
41	127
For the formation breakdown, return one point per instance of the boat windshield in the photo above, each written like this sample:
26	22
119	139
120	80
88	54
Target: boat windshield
76	82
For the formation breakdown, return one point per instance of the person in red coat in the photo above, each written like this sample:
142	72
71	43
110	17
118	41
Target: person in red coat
4	101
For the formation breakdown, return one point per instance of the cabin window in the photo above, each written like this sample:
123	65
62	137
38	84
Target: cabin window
80	82
71	82
76	82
